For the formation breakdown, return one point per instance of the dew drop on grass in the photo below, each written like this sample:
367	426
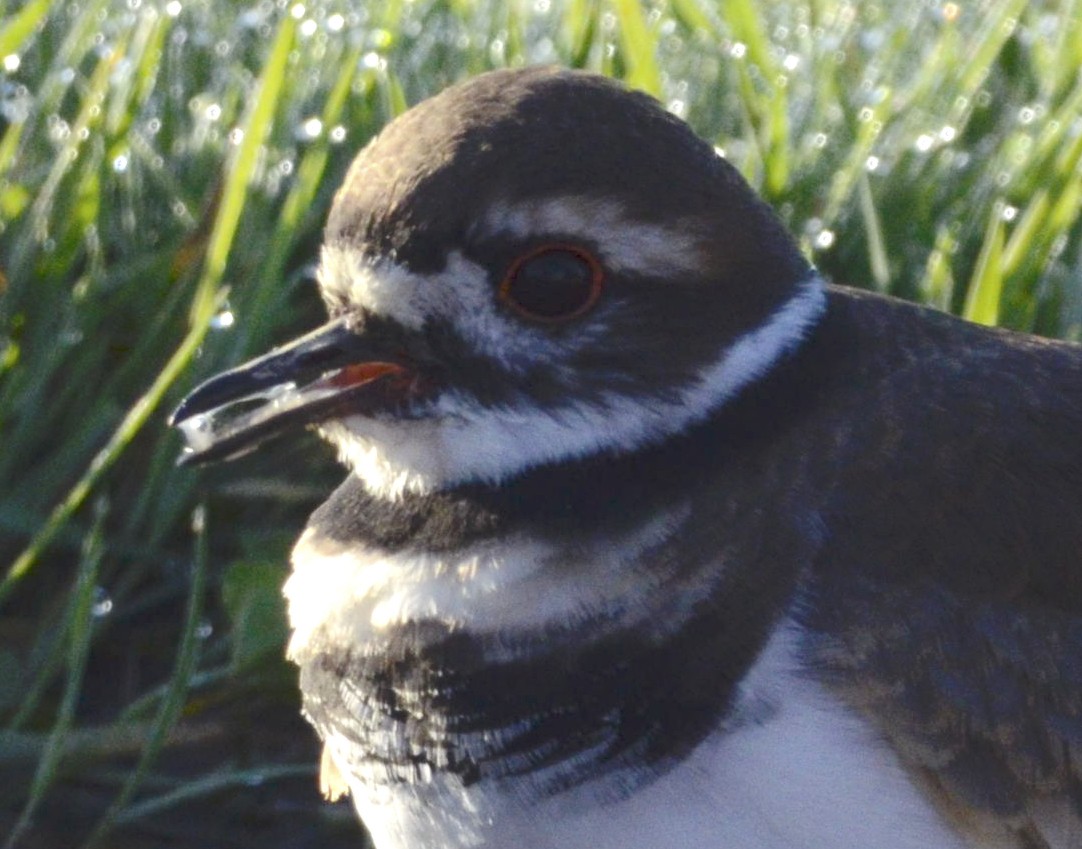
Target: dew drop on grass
310	129
102	604
223	320
15	103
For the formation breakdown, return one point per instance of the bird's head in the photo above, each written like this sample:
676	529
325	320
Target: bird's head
531	266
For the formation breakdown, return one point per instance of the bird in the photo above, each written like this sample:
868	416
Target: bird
651	536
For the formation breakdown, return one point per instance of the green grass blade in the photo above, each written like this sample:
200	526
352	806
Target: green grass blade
639	46
243	166
18	28
877	251
986	285
210	784
78	638
173	701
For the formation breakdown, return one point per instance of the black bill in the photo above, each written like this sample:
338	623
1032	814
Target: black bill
331	372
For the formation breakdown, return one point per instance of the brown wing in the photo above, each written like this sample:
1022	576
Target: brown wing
947	598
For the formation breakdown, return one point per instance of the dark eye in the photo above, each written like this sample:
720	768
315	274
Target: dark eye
552	283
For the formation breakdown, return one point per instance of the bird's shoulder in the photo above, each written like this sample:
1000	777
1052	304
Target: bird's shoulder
946	598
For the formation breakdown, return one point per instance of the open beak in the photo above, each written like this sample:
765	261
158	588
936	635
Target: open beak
331	372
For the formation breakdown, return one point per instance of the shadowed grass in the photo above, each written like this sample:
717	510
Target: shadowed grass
164	173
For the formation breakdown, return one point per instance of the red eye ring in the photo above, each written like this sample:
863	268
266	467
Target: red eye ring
587	290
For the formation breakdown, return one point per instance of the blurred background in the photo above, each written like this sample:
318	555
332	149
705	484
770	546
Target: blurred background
165	169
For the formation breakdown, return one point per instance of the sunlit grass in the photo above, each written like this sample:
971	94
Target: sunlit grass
164	172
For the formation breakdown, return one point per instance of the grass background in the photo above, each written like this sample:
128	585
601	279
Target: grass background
165	168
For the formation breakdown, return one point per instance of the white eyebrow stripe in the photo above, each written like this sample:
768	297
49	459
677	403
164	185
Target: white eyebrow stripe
625	244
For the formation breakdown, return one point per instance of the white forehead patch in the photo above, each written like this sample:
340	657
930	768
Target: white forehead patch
625	244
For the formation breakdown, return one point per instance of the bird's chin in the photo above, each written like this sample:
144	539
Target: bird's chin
392	457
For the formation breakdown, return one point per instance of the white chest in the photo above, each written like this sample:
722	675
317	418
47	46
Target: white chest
804	775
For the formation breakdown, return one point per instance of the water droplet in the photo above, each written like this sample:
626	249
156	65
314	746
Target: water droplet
791	62
739	50
120	163
173	8
947	134
824	240
12	62
924	142
1026	115
223	320
15	102
102	605
236	136
204	629
311	128
213	112
297	11
308	28
819	140
335	22
677	107
372	60
1009	213
337	134
871	163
